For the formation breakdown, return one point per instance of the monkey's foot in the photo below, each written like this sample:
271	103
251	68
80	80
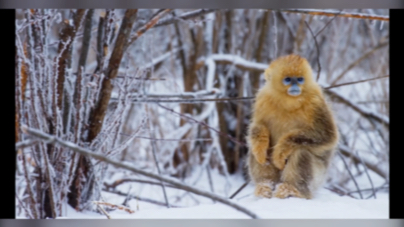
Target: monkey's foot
263	189
285	190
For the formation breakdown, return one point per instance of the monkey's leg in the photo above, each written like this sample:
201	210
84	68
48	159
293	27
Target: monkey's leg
298	175
264	176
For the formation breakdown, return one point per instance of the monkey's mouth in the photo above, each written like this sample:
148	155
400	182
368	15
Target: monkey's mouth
294	92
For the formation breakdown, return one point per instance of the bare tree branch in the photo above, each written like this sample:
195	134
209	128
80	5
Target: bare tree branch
318	50
350	174
148	25
116	192
331	13
345	151
364	56
356	82
98	114
205	125
363	111
83	151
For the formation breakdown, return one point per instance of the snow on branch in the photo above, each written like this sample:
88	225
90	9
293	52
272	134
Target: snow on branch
184	16
83	151
331	13
236	60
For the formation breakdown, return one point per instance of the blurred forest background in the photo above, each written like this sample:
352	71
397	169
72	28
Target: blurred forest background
170	92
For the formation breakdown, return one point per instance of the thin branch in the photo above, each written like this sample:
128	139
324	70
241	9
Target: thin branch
356	82
318	50
141	78
184	16
116	192
345	151
328	23
83	151
25	143
363	111
168	140
339	192
23	207
191	100
331	13
367	174
239	190
205	125
350	174
103	211
364	56
127	180
154	150
148	25
235	60
385	186
119	207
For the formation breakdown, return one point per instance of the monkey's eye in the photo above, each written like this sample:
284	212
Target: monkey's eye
300	80
287	80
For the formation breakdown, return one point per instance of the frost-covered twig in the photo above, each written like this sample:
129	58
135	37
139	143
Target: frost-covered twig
103	211
331	13
116	192
236	60
184	16
98	114
23	207
154	150
25	143
83	151
119	207
126	180
148	25
193	100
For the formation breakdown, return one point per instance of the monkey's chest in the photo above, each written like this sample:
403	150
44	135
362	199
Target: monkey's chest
280	126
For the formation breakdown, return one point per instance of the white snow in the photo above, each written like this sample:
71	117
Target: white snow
325	204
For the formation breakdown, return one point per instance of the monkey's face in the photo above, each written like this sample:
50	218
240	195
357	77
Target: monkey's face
293	84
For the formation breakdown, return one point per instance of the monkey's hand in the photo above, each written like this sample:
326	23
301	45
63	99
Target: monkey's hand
259	141
282	151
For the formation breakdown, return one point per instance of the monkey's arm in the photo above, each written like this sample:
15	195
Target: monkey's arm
317	138
258	139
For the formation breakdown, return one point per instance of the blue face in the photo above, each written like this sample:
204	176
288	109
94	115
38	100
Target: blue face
294	89
288	80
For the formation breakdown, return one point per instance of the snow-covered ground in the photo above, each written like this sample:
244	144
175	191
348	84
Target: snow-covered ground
325	204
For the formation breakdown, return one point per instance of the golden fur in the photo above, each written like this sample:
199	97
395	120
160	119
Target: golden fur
291	138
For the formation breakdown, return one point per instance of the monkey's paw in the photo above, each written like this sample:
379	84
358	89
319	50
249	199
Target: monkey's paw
279	158
260	153
285	190
263	190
